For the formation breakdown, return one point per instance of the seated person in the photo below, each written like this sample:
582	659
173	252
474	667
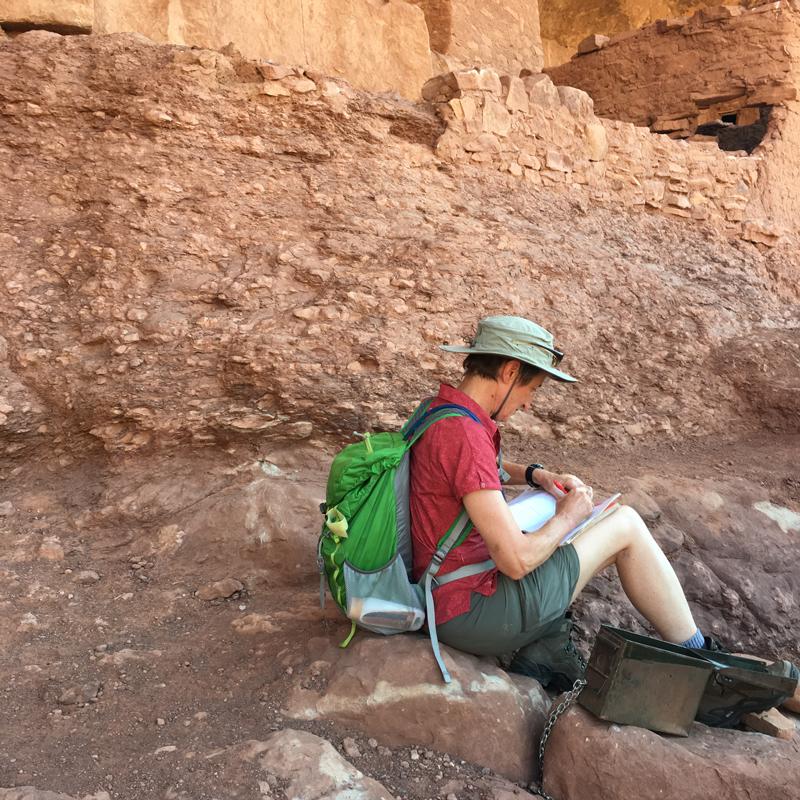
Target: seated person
518	608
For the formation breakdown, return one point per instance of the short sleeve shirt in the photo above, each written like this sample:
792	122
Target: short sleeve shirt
454	457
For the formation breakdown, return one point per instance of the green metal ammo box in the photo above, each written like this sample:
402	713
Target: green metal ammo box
632	681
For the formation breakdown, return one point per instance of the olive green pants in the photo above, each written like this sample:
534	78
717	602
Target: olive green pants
519	612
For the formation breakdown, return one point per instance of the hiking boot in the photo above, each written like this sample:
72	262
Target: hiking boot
553	660
739	689
712	645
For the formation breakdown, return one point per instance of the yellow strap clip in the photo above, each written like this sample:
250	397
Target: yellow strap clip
367	442
336	522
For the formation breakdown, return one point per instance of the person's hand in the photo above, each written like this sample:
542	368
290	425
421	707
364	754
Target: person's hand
552	481
576	504
571	482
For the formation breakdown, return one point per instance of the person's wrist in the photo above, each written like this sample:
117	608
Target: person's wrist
530	475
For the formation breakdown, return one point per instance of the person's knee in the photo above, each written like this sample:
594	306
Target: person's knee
631	524
629	516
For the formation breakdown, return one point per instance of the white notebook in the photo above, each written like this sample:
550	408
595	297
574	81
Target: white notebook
534	507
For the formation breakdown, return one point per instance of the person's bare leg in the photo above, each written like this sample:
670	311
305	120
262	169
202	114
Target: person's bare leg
647	577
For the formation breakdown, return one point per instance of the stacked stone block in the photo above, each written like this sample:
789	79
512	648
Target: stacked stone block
677	74
549	135
565	23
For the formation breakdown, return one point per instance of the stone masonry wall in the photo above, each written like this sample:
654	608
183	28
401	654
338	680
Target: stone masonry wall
680	73
548	135
779	172
565	23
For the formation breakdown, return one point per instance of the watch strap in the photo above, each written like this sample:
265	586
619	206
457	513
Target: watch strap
531	468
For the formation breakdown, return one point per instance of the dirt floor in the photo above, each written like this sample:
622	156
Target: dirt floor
125	681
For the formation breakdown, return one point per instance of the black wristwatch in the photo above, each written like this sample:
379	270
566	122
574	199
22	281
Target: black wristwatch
529	475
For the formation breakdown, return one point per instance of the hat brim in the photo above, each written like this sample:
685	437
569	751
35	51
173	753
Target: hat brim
554	373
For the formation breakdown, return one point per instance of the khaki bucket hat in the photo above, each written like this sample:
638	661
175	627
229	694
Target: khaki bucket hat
515	337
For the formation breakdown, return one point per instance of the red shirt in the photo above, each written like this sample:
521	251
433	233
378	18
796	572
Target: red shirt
454	457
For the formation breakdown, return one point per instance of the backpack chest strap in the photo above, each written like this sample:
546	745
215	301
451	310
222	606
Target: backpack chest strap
467	571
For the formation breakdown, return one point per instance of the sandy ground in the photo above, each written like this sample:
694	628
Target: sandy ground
131	684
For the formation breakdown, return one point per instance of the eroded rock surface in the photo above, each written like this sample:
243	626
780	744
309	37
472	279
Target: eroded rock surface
210	249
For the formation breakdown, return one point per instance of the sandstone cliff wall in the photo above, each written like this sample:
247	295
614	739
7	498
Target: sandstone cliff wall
199	248
379	46
779	180
468	33
62	15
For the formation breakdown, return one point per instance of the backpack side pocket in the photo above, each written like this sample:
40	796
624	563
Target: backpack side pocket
383	600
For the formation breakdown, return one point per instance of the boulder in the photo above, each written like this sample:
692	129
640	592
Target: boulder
516	96
586	757
642	502
577	102
391	689
761	232
219	590
311	768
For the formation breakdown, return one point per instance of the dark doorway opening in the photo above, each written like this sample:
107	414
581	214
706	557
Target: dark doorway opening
740	130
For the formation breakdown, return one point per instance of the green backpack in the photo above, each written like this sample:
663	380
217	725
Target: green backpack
364	549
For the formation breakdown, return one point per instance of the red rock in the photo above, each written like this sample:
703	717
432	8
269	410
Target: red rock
647	508
220	589
391	688
733	564
589	758
771	723
761	231
310	766
51	550
516	96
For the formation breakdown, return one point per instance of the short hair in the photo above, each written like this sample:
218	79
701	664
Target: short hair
488	365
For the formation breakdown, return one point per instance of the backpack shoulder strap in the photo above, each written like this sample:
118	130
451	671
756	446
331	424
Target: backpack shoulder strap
421	420
416	427
459	531
419	411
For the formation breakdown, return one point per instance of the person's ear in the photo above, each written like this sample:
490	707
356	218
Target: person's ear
510	371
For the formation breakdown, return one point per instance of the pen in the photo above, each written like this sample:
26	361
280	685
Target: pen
559	486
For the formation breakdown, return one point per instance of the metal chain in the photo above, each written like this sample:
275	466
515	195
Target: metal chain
569	699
